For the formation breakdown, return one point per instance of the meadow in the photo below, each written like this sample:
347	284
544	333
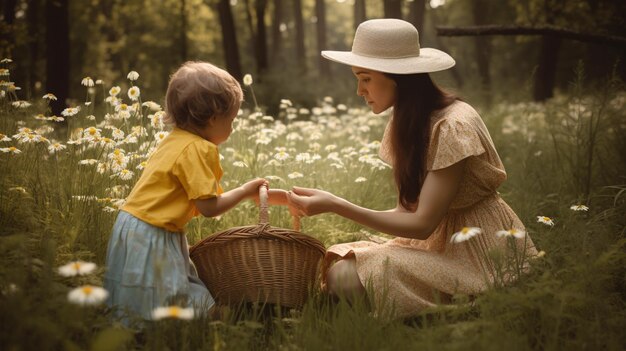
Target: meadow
64	177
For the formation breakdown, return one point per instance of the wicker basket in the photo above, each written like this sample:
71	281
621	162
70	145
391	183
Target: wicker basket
259	263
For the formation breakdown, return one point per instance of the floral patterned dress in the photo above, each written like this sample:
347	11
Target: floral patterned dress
413	274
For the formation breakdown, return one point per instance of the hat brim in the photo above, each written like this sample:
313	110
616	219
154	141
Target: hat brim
429	60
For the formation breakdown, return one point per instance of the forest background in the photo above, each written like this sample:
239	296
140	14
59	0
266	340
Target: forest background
547	77
532	43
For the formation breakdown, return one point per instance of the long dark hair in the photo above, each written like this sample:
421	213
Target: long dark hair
417	97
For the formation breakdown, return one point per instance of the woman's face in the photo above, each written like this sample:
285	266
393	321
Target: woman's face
378	90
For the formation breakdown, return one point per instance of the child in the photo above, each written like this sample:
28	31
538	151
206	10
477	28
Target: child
148	257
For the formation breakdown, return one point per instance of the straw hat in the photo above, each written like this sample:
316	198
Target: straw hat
391	46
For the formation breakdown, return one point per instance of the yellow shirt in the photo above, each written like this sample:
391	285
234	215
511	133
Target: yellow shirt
183	168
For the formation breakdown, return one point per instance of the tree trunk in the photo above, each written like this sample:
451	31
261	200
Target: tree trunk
482	49
8	33
34	31
261	37
110	31
320	12
229	39
183	30
8	10
545	76
300	48
393	8
57	53
360	14
548	55
276	33
251	28
416	15
454	71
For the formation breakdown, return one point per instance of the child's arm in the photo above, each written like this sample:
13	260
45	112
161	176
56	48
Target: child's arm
215	206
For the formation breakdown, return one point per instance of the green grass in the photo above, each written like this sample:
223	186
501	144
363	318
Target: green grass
567	151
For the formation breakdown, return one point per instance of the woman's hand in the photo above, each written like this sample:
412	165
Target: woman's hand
310	202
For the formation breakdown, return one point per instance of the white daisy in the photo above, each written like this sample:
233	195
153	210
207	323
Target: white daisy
126	174
304	157
579	208
54	147
152	106
89	161
281	156
295	175
77	268
247	80
50	97
12	150
21	104
545	220
276	178
70	111
87	81
133	93
132	76
117	134
87	295
160	136
360	180
518	234
465	234
156	120
92	133
172	312
114	91
19	189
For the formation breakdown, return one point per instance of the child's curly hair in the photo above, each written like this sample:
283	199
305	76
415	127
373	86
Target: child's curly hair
199	91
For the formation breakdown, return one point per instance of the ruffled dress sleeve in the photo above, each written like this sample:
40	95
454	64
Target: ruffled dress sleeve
452	140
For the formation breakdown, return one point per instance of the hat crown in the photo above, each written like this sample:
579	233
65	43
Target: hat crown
386	38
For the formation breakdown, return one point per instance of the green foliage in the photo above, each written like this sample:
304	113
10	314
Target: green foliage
53	209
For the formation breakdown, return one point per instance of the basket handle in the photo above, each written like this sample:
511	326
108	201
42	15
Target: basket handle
264	215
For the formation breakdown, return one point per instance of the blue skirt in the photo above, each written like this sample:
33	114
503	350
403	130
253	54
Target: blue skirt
147	266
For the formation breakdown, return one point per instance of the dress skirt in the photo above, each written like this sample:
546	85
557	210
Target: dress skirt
147	266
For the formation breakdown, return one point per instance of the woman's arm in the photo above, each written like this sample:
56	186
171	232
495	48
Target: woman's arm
437	193
215	206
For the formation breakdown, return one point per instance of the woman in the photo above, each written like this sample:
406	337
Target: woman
446	170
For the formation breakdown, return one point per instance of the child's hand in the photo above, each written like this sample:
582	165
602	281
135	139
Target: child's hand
251	188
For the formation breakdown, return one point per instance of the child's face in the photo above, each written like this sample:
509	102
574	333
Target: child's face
219	128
